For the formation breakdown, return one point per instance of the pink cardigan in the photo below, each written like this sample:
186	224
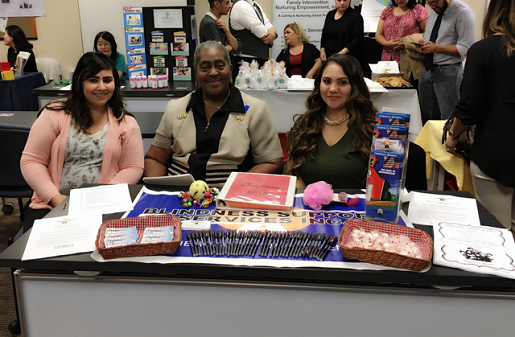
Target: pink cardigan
43	157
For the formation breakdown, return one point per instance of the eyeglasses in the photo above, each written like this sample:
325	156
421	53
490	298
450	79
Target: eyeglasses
433	3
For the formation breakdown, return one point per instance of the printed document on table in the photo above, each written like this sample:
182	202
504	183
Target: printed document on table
103	199
62	236
431	209
478	249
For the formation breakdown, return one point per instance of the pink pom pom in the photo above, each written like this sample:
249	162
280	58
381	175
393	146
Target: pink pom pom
318	194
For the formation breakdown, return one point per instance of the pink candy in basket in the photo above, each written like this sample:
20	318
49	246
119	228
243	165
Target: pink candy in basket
387	244
399	244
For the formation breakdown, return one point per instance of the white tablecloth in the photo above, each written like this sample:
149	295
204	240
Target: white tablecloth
285	104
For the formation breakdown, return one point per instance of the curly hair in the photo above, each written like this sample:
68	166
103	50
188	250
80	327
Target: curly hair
76	104
303	140
299	31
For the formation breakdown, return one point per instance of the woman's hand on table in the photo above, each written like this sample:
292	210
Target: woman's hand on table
57	200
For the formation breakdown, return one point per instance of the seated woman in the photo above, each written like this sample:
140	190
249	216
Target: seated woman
105	43
300	56
87	138
216	129
331	141
15	38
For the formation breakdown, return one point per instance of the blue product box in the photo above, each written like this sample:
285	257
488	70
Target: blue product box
393	118
384	185
391	131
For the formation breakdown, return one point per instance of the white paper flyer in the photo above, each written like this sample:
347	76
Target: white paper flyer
478	249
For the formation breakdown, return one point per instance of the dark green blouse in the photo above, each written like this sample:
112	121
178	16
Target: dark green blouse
341	165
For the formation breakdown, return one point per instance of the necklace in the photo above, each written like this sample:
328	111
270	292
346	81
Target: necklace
338	122
218	107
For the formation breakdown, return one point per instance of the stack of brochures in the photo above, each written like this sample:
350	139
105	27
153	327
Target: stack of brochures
387	160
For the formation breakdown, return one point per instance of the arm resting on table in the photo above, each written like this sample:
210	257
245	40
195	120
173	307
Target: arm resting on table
157	161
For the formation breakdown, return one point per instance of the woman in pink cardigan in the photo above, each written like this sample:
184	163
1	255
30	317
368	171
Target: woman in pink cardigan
87	138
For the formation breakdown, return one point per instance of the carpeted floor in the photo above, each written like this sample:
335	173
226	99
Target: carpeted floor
9	226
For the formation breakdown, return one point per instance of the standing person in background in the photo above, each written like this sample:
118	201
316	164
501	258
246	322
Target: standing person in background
331	141
402	18
449	34
214	29
15	38
342	32
486	101
250	26
106	44
299	56
87	138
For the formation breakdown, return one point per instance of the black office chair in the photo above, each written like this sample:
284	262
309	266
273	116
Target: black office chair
416	169
12	184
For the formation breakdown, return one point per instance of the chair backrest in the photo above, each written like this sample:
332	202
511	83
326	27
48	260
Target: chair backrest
50	68
416	169
12	143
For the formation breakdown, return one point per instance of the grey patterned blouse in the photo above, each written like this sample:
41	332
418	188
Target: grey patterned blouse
82	158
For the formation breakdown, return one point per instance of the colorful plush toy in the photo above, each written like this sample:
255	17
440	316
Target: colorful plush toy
199	195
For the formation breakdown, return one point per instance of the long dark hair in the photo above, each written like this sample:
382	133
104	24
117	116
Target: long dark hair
500	18
109	38
304	140
76	105
19	38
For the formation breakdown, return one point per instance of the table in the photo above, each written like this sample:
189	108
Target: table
148	105
285	104
25	118
74	295
438	160
16	95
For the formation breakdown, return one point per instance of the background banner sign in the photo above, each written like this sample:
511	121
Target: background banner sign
328	220
310	14
371	11
16	8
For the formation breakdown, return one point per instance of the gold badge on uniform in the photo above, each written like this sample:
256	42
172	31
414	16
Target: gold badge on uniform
182	116
239	119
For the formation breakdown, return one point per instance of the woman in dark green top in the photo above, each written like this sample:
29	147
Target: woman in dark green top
331	141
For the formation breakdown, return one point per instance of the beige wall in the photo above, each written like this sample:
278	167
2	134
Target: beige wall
59	33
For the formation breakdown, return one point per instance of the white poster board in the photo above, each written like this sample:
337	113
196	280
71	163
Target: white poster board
310	14
371	11
16	8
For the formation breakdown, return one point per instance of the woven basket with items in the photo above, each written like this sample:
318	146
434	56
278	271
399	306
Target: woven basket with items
143	231
386	244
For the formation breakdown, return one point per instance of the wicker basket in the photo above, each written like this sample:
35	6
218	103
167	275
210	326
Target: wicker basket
140	249
421	238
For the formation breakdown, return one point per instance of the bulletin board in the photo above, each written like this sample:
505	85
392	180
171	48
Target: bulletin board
99	15
170	36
